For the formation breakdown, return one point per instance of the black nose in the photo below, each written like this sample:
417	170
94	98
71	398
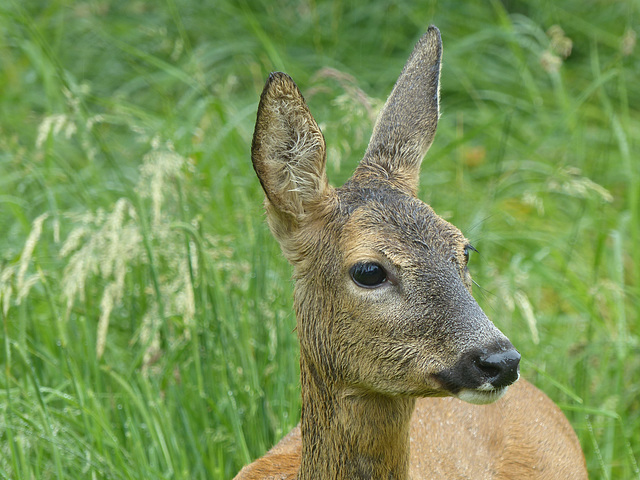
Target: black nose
499	369
483	368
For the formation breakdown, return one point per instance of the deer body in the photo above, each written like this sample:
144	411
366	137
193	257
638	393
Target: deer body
385	316
521	436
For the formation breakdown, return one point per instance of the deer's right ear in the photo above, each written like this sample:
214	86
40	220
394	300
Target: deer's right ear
288	154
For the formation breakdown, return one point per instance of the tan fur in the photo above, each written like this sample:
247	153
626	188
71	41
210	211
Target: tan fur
453	439
376	351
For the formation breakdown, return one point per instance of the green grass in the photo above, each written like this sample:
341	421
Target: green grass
147	329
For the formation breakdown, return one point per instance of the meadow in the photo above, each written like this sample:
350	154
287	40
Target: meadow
147	324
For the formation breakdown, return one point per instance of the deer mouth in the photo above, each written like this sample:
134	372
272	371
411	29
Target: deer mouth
481	397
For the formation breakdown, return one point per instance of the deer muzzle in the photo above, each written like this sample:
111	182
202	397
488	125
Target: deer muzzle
482	375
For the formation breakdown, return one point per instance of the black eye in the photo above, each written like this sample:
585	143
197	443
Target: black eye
467	252
368	275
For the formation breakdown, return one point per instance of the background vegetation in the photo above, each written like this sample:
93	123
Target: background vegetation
147	329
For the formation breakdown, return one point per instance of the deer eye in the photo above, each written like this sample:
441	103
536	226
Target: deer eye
467	252
368	274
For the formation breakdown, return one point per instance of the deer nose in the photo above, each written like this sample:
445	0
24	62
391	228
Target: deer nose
499	369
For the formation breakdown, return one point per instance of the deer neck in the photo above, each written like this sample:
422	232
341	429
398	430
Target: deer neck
352	435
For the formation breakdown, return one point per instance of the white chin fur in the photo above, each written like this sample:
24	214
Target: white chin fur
481	396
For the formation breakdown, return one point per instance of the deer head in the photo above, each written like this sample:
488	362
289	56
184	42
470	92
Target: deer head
383	293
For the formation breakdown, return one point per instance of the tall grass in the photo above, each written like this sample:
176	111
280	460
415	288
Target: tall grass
147	329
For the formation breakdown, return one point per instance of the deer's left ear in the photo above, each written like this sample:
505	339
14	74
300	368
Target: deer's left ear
289	155
407	123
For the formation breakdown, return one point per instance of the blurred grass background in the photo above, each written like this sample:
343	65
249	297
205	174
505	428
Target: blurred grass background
147	329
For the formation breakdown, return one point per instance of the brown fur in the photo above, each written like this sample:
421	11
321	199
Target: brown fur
368	353
453	439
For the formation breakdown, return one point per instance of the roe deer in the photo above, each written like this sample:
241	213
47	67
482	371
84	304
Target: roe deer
385	313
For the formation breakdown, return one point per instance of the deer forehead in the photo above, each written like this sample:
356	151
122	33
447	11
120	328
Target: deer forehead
386	225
